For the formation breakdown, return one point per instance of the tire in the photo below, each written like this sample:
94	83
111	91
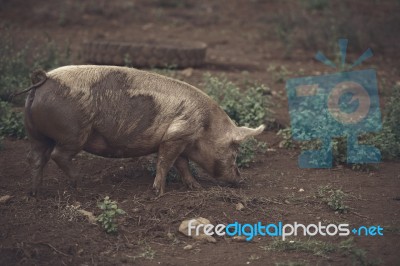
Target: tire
147	54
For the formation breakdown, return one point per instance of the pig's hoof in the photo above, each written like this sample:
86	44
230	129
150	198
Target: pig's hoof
158	188
73	184
33	193
193	185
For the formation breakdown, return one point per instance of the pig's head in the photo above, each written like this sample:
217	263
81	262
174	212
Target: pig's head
216	152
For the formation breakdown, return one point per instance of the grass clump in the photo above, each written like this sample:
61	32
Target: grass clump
334	198
109	213
247	151
388	140
11	122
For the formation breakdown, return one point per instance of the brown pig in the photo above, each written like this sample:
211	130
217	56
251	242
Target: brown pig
120	112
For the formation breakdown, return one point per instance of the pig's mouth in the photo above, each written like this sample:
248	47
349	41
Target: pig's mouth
235	184
237	180
228	183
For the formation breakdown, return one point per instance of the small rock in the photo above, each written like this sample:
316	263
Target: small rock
287	202
239	238
188	247
301	190
239	206
184	229
4	199
170	235
187	72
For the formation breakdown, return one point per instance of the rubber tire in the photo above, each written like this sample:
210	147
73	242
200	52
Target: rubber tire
147	54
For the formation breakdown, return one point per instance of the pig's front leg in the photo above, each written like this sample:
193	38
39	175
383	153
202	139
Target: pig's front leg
167	154
182	165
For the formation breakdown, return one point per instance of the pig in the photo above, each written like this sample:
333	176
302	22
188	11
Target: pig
121	112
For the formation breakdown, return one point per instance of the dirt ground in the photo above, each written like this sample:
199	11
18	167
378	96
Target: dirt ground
243	45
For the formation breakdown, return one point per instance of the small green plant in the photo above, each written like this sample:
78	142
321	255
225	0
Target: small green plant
11	122
280	73
109	213
334	198
287	141
388	140
127	60
247	151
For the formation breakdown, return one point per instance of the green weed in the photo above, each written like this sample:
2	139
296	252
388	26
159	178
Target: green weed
334	198
388	140
248	150
109	213
11	122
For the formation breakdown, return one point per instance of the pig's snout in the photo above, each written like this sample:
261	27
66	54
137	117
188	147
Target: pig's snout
236	179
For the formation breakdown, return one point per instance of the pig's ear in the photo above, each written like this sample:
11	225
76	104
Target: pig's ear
242	133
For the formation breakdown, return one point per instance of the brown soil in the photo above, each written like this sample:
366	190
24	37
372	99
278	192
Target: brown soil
242	45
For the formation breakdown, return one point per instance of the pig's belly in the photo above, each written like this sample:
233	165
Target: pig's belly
101	146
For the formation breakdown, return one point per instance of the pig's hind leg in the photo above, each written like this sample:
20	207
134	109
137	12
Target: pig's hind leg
182	165
62	155
38	157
